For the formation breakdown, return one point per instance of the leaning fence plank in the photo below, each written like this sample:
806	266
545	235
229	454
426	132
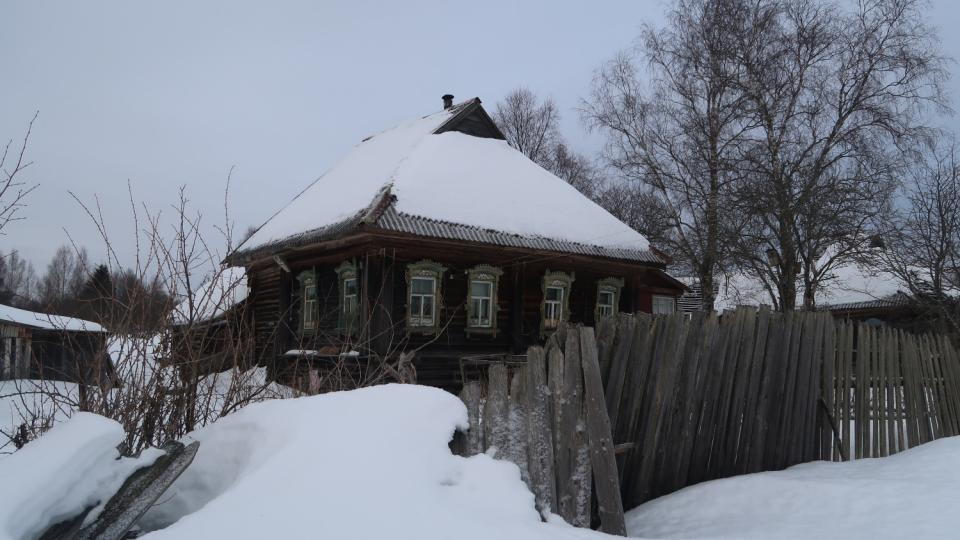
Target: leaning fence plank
516	450
603	460
828	385
622	344
573	459
496	413
540	440
139	492
470	395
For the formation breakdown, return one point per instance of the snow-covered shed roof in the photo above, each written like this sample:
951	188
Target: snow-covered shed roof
427	177
215	296
848	286
44	321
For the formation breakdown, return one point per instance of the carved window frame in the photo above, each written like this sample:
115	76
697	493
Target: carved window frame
425	269
552	280
608	285
490	274
309	302
348	323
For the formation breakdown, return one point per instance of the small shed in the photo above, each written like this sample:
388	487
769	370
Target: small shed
52	347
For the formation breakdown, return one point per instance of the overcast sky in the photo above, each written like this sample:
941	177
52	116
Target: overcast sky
173	93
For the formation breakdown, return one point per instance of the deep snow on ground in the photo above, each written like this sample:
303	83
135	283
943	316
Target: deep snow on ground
371	463
914	494
73	466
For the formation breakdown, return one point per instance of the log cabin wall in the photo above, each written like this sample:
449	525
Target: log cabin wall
383	263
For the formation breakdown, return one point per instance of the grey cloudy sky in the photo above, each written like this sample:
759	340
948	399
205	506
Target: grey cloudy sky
174	93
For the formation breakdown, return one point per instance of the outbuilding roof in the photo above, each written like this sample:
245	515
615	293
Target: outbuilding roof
44	321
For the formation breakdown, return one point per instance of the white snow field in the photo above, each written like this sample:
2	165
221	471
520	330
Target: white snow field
375	464
914	494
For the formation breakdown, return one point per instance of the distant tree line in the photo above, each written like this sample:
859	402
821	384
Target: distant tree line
73	287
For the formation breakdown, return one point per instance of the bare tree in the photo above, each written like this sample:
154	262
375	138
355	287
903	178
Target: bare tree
680	135
921	240
14	190
17	280
531	125
832	91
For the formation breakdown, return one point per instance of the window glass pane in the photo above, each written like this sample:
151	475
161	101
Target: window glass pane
481	288
422	285
554	293
415	303
663	304
350	286
606	298
427	306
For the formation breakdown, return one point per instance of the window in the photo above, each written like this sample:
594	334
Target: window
482	284
424	301
348	319
608	297
663	305
308	301
481	300
553	306
556	294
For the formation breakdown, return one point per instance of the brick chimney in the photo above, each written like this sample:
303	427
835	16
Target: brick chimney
447	101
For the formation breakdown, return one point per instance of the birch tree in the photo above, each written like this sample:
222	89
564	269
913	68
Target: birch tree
677	128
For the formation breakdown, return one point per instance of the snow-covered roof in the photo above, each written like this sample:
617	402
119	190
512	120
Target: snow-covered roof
217	295
426	170
44	321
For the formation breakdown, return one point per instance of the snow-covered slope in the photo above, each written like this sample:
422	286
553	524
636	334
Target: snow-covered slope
451	177
914	494
370	464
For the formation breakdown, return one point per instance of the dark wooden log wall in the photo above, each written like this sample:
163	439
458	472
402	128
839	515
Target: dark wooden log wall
275	301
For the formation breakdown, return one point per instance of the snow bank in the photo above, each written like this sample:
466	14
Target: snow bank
72	467
46	322
371	463
914	494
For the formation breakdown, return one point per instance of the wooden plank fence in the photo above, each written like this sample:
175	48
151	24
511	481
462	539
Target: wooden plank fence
711	396
652	404
548	416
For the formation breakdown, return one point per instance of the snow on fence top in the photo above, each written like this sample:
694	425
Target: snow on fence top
452	177
44	321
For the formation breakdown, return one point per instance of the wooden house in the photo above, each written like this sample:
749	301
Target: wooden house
51	347
438	237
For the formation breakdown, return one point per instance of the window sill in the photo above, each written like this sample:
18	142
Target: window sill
481	331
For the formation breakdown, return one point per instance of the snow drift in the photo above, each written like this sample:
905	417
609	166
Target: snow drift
913	494
74	466
371	463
